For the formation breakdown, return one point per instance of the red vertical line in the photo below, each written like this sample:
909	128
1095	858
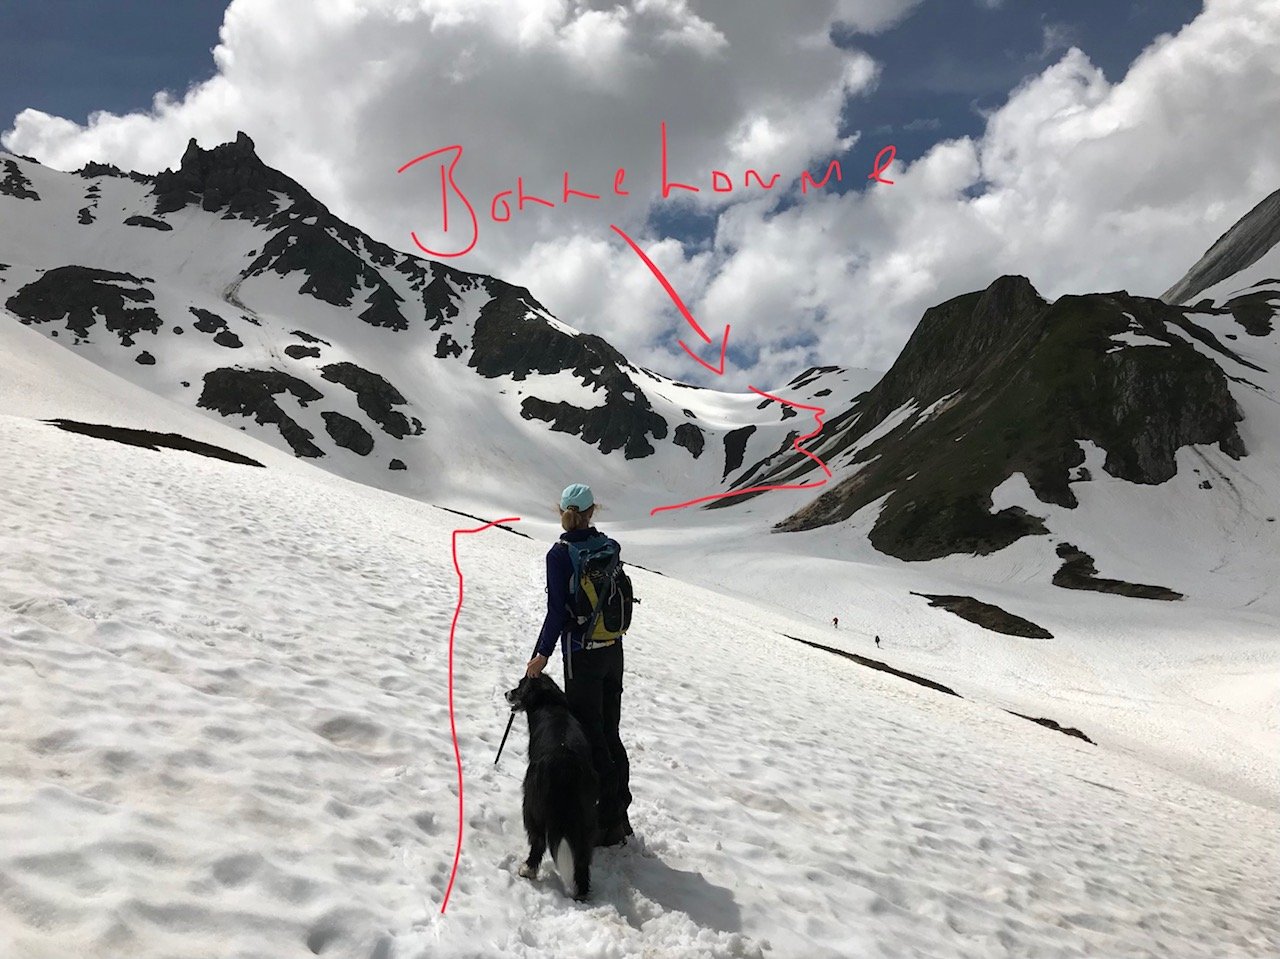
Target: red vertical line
453	727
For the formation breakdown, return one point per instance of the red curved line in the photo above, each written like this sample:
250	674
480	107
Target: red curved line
737	492
818	413
453	728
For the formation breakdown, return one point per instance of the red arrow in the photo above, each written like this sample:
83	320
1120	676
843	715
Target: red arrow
684	310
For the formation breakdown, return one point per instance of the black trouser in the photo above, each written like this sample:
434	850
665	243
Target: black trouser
595	696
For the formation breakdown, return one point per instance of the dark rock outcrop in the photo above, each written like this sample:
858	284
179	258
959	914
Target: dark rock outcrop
149	440
80	295
1257	309
988	616
93	170
16	184
375	396
615	425
938	687
206	320
691	438
150	223
880	667
333	273
735	448
439	301
335	259
810	375
1054	725
347	433
1079	572
384	309
209	322
447	346
252	393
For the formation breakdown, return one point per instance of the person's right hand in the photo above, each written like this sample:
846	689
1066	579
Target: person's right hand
536	666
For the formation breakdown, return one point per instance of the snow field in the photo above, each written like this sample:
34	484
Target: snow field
225	693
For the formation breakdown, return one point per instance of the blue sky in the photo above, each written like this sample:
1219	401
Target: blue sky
942	66
954	59
71	57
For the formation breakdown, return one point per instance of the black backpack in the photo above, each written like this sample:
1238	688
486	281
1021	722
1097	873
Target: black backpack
600	594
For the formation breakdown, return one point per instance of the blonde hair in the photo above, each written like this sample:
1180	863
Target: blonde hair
572	518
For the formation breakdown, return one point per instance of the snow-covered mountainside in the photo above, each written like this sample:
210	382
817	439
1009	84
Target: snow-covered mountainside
224	693
226	286
1009	420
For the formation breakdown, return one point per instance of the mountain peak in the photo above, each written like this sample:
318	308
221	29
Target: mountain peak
229	177
955	341
1248	240
241	149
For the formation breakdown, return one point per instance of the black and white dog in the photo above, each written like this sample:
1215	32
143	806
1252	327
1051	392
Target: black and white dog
560	786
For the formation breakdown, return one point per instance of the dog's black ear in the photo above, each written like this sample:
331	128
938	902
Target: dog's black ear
538	690
549	692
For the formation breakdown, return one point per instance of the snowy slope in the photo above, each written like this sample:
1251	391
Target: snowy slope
224	691
225	286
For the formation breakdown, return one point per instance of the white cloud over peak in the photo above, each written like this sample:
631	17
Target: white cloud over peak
1079	183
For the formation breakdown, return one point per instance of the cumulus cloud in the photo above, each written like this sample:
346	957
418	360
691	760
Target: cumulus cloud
1078	182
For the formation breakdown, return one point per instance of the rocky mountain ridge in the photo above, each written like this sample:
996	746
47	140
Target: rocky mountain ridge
225	283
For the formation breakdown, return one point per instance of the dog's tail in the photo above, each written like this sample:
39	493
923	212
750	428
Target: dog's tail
562	854
564	787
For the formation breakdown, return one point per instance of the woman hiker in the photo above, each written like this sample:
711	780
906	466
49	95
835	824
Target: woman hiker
593	670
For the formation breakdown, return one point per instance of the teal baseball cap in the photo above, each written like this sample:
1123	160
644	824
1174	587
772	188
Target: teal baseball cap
579	495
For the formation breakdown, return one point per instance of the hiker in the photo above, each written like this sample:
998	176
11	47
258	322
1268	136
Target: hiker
835	621
877	642
593	668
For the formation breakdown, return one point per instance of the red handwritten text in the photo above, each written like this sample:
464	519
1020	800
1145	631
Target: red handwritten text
500	205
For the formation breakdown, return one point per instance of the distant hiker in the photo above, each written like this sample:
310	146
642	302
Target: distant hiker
877	642
835	621
587	593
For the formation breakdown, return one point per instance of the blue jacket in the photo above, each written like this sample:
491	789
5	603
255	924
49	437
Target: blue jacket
559	626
